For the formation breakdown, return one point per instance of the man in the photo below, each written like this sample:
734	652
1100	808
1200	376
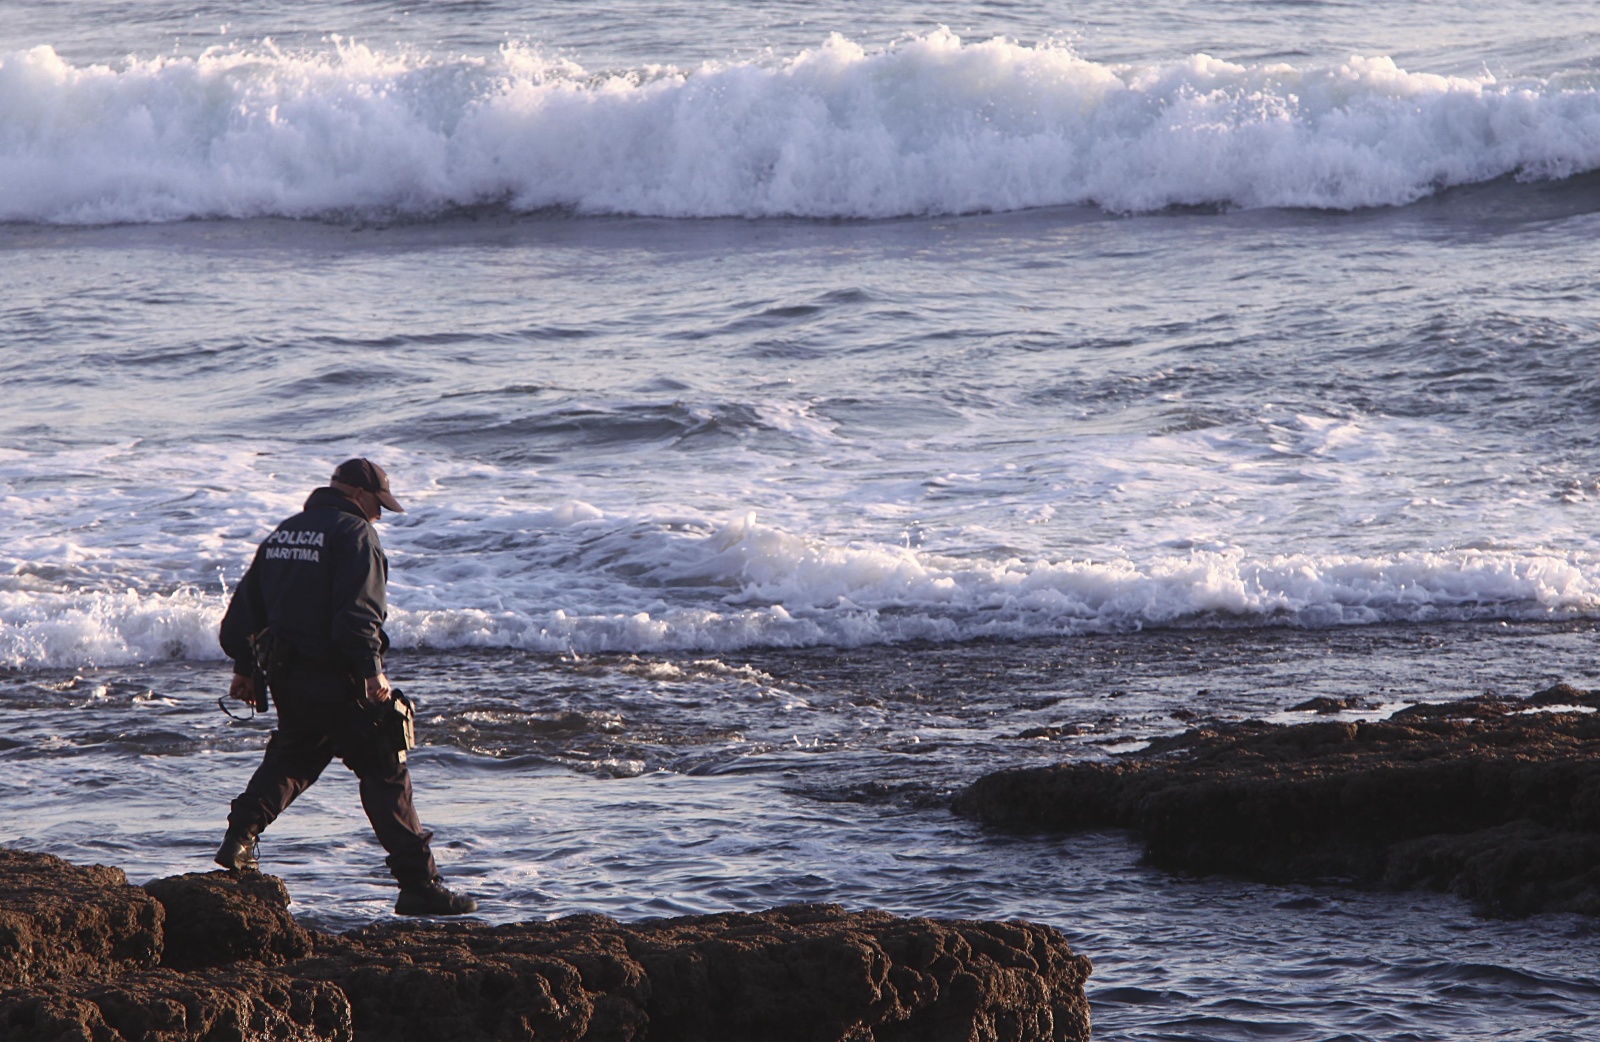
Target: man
315	595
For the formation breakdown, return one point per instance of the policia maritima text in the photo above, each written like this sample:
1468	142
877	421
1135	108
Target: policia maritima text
313	606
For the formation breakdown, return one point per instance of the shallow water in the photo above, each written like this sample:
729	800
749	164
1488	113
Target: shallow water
647	786
790	422
646	435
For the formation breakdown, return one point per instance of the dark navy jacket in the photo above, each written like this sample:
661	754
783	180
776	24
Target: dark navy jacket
319	582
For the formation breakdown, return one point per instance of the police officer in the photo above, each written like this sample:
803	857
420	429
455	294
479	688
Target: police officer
315	598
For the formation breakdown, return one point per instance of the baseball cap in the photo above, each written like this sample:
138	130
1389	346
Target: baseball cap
363	473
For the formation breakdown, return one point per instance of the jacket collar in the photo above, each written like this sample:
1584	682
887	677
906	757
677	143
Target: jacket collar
329	499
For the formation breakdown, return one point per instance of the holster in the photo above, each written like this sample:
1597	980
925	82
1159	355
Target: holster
263	647
397	720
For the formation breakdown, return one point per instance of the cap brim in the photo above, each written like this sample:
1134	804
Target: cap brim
389	502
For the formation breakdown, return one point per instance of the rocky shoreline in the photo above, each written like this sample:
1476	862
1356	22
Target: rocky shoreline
1494	799
216	957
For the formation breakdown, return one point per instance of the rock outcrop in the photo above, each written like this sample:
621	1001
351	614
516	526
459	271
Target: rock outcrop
232	1005
60	921
1495	799
224	918
218	957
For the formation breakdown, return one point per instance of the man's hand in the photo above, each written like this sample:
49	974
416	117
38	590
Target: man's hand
378	689
242	688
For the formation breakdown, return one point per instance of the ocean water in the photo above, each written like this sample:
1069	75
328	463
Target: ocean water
794	406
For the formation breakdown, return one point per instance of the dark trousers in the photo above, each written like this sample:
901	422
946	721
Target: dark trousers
321	715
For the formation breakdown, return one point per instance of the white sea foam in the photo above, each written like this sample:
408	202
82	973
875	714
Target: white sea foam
931	125
67	630
748	585
125	552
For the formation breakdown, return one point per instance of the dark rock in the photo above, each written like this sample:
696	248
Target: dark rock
558	981
1465	709
818	972
1324	704
1565	695
1479	797
803	973
59	920
1169	742
238	1005
1055	731
216	918
237	967
1517	869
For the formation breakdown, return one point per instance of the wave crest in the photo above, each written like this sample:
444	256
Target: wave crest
932	125
750	585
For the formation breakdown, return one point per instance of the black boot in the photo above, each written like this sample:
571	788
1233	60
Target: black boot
433	899
238	851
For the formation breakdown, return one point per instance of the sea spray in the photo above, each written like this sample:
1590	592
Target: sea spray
747	585
931	125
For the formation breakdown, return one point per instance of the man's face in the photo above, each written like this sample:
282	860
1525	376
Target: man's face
368	502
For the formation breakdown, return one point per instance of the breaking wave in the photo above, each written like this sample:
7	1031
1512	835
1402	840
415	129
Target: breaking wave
932	125
747	585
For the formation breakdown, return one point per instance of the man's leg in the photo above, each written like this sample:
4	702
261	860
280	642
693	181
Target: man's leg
386	797
295	757
291	765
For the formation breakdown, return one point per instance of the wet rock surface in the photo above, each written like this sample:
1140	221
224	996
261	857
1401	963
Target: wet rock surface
1495	799
234	965
216	918
59	920
229	1005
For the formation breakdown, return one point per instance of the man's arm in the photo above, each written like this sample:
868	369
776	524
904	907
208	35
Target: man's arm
244	688
361	606
245	617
